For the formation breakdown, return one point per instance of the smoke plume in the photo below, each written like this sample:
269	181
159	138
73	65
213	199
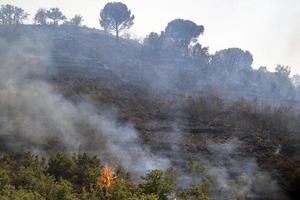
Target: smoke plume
34	116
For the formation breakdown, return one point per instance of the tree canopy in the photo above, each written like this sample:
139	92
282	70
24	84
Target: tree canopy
154	41
41	17
74	177
76	20
157	182
283	70
10	15
233	59
116	17
55	15
183	30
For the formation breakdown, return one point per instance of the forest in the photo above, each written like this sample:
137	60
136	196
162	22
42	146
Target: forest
97	114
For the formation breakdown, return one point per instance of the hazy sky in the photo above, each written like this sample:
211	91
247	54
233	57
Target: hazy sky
269	29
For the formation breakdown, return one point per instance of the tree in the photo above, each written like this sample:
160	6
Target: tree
11	192
283	71
10	15
200	53
232	59
198	50
157	182
76	20
296	80
144	197
116	17
62	190
262	69
61	166
41	17
196	192
56	15
183	31
154	41
86	169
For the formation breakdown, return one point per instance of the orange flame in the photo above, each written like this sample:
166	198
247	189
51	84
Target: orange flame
106	178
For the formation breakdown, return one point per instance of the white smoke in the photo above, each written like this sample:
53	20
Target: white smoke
34	116
236	176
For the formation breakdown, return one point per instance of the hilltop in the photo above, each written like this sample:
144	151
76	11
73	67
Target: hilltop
195	109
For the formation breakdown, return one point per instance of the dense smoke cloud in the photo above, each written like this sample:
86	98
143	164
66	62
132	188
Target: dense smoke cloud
34	116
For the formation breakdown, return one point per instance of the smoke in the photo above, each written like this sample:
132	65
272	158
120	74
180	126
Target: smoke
230	174
34	116
237	176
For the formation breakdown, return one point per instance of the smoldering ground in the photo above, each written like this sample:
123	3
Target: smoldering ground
36	117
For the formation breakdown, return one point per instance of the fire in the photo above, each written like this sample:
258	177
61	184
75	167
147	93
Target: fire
106	178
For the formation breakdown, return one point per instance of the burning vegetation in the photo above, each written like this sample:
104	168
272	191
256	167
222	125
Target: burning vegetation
191	125
106	178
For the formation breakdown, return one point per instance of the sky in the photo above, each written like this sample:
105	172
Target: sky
269	29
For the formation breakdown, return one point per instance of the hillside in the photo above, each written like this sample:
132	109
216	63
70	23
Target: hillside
74	90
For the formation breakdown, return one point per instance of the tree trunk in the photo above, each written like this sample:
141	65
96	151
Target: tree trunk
117	33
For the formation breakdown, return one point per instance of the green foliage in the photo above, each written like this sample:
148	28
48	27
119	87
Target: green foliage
65	177
11	193
119	190
73	178
116	17
61	166
81	169
144	197
4	178
196	192
86	170
157	182
62	190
